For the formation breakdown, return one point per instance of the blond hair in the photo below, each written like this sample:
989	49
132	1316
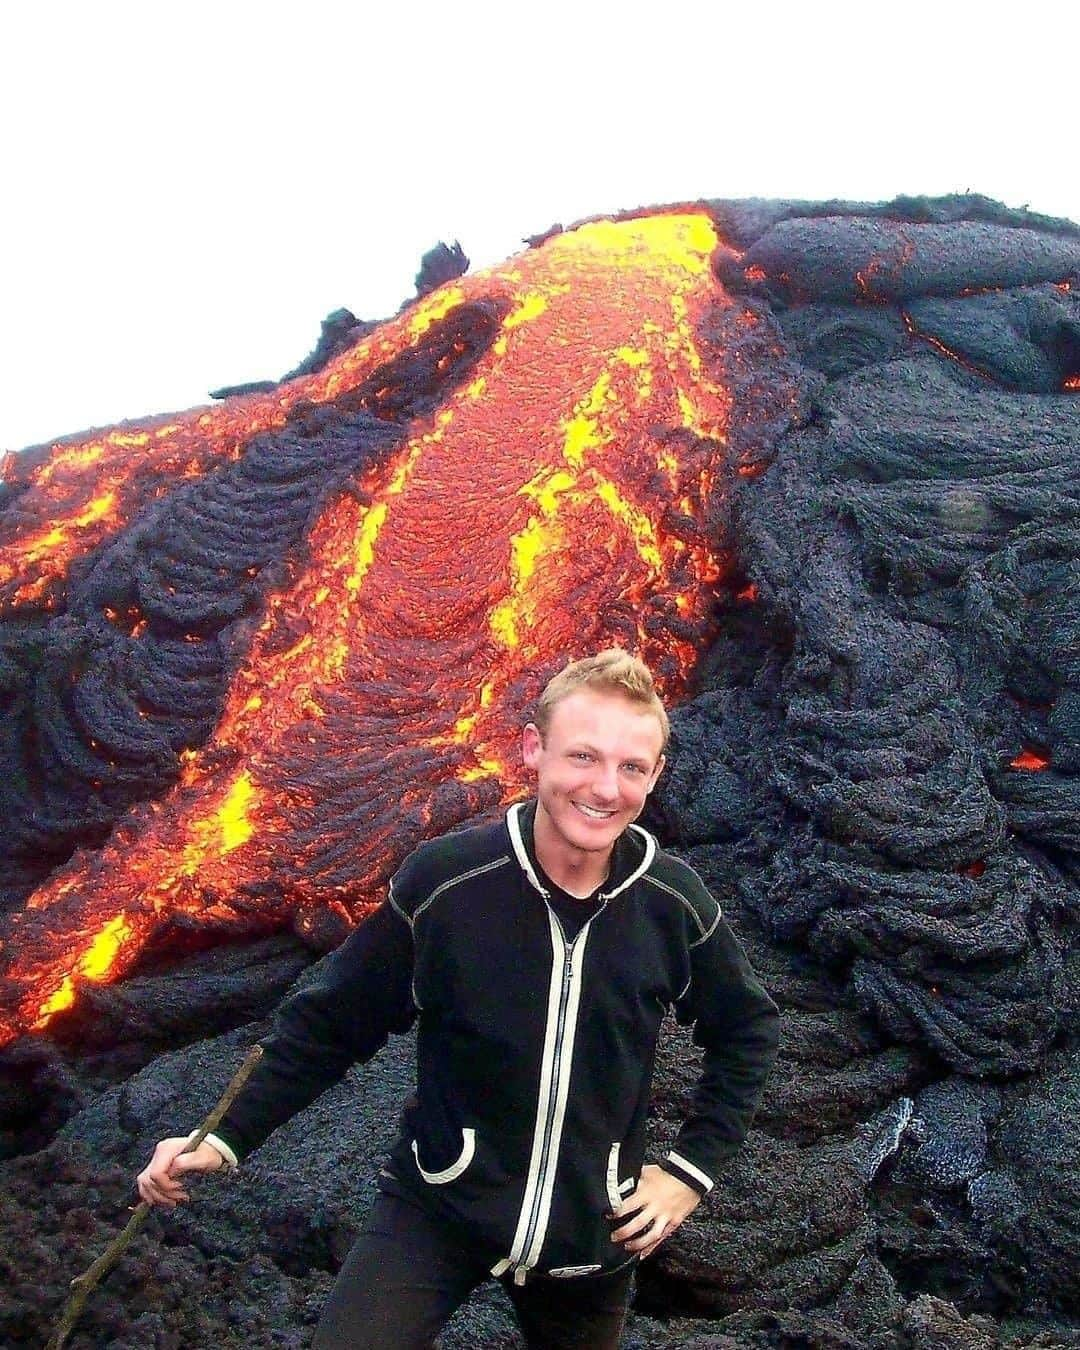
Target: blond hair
613	671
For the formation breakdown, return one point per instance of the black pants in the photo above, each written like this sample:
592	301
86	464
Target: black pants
405	1278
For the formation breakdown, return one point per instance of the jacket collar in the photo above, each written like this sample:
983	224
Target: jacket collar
632	856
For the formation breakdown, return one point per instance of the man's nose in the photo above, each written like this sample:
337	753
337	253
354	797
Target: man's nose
606	781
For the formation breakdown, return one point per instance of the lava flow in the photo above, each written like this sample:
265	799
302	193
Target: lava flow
75	493
562	500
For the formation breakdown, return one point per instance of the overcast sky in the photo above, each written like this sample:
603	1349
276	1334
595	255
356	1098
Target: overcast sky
189	189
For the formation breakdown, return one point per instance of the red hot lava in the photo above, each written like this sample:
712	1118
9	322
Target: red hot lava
556	504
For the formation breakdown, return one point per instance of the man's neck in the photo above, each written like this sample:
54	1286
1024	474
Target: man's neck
577	871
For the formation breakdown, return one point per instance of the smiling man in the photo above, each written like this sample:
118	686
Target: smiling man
539	956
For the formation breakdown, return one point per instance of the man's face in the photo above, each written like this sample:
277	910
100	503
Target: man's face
594	770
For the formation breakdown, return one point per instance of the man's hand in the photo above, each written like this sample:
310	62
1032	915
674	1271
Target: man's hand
659	1204
159	1183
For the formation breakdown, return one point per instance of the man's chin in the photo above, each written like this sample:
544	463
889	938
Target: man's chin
595	845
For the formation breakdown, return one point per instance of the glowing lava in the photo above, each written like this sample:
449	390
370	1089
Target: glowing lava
557	503
1030	761
941	348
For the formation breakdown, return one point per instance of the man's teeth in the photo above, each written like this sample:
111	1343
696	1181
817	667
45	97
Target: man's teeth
592	811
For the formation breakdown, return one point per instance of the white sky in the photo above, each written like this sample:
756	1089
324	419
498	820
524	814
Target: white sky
188	190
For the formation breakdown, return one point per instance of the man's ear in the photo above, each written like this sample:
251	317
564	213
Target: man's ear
531	744
656	773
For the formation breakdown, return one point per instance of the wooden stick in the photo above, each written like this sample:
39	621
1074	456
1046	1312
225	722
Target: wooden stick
84	1283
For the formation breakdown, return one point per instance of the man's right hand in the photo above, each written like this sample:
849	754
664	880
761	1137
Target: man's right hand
159	1181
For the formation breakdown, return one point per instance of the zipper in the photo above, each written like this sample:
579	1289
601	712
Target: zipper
527	1246
556	1063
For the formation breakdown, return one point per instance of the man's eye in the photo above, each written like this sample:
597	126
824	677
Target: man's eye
634	768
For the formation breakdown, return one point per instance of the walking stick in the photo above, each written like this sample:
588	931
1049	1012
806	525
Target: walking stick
84	1283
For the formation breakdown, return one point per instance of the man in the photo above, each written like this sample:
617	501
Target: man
539	955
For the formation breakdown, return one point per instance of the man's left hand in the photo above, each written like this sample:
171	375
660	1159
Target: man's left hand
659	1203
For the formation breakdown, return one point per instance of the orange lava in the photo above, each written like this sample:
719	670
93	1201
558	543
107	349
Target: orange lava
553	505
941	348
1030	761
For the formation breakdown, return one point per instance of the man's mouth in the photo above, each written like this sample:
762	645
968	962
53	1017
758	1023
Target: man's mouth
593	812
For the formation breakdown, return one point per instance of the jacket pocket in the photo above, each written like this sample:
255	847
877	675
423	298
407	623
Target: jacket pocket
451	1173
616	1189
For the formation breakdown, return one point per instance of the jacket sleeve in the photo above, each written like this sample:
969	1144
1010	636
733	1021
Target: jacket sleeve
362	993
737	1025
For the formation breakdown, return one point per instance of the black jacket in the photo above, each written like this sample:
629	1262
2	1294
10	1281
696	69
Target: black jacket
535	1056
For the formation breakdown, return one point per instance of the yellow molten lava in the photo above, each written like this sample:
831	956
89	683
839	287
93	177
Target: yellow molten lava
94	964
